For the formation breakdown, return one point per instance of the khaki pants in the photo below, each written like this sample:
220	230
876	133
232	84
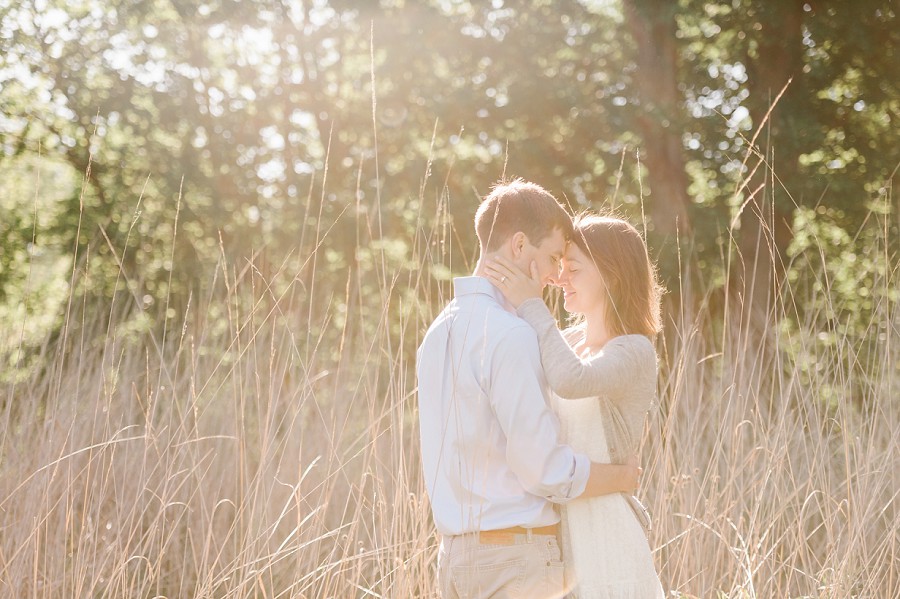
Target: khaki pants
514	566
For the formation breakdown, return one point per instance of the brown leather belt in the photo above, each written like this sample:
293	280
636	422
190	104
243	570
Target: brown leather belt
505	536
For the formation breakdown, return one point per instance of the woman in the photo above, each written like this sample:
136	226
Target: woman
603	373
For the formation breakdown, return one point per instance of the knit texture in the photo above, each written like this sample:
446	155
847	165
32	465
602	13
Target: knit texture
602	402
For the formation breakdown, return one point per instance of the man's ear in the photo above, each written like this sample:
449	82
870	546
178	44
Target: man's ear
517	243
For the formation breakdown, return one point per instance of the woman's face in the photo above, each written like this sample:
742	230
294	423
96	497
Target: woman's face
581	282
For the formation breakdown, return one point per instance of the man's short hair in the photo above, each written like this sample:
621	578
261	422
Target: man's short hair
519	206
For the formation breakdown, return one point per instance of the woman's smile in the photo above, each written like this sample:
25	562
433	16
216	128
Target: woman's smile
569	298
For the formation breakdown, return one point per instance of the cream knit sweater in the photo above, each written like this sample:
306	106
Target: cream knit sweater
602	402
622	376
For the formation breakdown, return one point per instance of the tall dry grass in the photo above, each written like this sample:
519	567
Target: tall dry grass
773	465
266	446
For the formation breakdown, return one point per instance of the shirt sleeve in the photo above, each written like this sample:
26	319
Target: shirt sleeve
624	363
543	465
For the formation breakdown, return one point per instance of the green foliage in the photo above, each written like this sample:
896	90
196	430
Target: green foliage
34	261
847	301
217	133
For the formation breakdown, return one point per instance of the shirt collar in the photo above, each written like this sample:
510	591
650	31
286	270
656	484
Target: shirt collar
480	286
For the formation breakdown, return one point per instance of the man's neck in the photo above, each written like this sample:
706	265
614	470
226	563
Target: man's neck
479	266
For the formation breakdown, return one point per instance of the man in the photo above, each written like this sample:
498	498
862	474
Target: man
493	462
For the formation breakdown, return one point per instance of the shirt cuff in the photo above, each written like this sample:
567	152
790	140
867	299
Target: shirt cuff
581	471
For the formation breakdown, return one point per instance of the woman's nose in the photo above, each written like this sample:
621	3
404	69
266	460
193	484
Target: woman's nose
556	278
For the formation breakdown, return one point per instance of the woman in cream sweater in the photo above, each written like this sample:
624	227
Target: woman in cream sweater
603	374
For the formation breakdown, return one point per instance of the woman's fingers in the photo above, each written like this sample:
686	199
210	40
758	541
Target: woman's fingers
492	273
503	262
505	268
496	273
516	284
500	272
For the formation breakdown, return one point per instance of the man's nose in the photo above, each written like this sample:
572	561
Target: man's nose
554	277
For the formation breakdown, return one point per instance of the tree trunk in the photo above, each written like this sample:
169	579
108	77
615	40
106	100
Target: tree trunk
653	28
765	224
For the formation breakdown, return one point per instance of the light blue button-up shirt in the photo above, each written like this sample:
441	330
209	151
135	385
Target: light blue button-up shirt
490	442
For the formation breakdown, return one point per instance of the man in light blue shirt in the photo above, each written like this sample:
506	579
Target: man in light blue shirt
493	462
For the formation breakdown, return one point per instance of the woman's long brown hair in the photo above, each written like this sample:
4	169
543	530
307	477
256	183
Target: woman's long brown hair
620	254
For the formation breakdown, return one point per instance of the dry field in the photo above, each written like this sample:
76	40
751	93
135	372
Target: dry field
266	445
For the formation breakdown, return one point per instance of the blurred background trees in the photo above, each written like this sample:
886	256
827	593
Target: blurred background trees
155	141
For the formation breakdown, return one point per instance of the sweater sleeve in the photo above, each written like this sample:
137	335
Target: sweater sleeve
622	365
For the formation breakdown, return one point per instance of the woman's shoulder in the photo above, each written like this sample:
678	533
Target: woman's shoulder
641	363
633	339
638	346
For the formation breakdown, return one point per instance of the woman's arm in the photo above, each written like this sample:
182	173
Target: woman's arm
612	478
621	365
625	363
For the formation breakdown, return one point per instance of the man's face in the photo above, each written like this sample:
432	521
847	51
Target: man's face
547	255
